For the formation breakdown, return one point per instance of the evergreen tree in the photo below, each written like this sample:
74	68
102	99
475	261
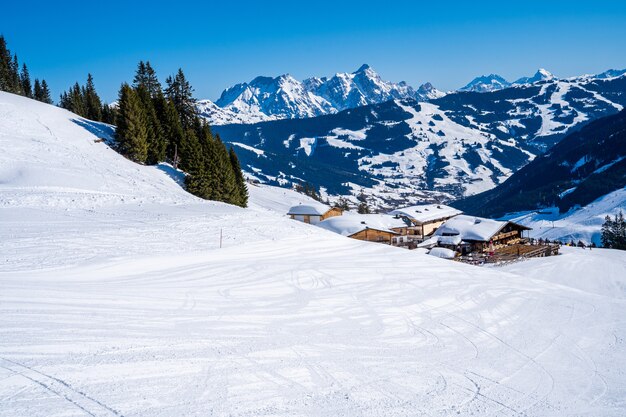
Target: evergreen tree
614	232
146	76
342	203
37	91
157	145
46	97
170	125
180	92
108	114
92	104
27	89
132	135
16	85
5	66
240	181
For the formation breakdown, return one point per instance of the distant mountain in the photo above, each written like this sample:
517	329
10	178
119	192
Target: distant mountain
284	97
486	83
581	168
540	75
407	151
610	74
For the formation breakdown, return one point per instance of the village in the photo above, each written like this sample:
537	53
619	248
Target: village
443	231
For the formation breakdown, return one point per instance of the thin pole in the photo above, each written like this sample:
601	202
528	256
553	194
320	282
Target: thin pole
220	238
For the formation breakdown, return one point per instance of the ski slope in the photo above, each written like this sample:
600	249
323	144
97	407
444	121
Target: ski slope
116	300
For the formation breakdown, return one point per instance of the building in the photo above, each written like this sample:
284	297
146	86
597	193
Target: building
313	213
368	227
476	234
421	221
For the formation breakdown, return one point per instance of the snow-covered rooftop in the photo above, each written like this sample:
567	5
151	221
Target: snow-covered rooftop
427	212
470	227
314	209
349	224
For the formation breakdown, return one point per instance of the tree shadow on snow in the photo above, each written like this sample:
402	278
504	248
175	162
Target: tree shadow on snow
174	174
100	130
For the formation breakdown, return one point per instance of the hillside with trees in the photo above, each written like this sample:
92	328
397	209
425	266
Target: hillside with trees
583	167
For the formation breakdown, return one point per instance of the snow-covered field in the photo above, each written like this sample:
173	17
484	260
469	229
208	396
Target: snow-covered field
115	299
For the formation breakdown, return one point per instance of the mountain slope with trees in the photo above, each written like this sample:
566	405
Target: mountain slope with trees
581	168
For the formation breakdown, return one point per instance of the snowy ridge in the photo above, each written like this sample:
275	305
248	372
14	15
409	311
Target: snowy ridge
284	97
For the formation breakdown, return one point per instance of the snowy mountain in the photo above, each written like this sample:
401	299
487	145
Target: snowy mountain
457	145
283	97
485	83
540	75
586	169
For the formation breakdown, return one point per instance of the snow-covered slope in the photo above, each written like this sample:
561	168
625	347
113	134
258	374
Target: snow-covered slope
579	223
284	97
115	300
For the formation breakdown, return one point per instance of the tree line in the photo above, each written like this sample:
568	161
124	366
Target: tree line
614	232
16	80
156	124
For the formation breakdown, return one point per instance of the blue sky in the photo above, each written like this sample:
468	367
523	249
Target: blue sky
217	45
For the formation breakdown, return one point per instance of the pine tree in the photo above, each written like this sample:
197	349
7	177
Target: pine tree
37	92
46	97
607	235
132	136
241	190
27	89
108	114
16	85
226	176
180	92
157	145
5	66
170	124
146	76
92	102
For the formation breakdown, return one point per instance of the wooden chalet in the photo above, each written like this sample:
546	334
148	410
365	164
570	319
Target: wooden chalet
313	213
476	234
422	220
368	227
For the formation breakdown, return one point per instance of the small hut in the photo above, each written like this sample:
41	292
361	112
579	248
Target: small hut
313	213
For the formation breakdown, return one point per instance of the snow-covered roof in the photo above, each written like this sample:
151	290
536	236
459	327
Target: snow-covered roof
427	212
442	253
471	228
314	209
349	224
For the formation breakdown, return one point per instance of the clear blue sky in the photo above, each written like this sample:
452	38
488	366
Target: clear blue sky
217	45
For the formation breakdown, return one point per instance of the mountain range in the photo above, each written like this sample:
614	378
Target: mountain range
453	146
284	97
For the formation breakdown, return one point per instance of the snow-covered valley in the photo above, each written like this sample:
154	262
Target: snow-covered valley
117	300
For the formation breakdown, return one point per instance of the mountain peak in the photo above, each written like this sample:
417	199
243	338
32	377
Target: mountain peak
486	83
542	74
362	68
